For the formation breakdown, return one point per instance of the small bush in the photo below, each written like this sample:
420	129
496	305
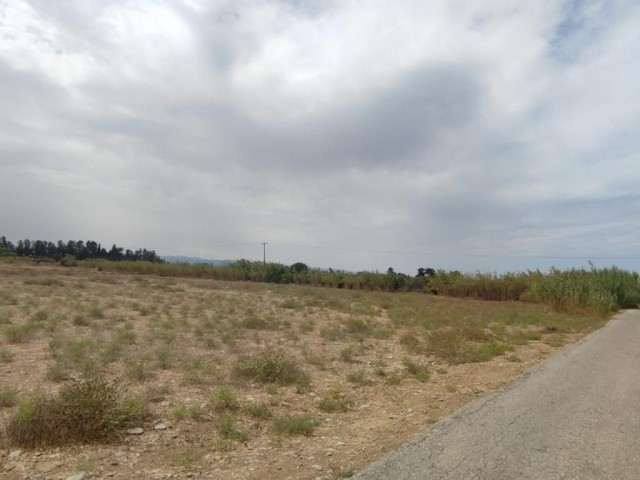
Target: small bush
80	320
57	373
20	333
164	358
5	355
69	261
257	410
229	431
254	322
335	401
271	366
412	343
225	399
421	372
348	354
139	371
294	425
356	326
461	343
8	397
359	378
331	334
85	411
193	411
96	311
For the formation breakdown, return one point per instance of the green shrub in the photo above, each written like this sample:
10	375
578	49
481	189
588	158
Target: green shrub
257	410
412	342
164	358
69	261
332	334
225	399
348	354
335	401
85	411
96	311
359	378
295	425
8	397
80	320
139	371
459	343
57	372
193	411
254	322
20	333
356	326
420	371
228	429
271	366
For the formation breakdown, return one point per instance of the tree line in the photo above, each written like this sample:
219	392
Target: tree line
79	249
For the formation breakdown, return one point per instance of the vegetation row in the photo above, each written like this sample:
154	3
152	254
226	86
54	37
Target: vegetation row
595	291
79	249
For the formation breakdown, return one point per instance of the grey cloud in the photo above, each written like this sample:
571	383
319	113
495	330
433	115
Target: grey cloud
395	126
179	160
398	126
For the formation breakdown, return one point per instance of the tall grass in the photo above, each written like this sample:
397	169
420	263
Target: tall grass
595	291
485	286
598	291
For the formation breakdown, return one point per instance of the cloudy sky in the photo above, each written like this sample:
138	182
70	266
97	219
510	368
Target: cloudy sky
354	134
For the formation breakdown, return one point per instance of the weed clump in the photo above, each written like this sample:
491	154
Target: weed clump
335	401
257	410
229	431
420	371
463	343
271	366
8	397
225	399
295	425
20	333
91	410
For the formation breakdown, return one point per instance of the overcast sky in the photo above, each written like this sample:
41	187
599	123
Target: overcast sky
355	134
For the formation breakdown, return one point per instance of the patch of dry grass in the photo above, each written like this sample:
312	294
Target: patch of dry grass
249	351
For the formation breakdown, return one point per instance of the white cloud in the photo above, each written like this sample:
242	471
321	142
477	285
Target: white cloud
460	128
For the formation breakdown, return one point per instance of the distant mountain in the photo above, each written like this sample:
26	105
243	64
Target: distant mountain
183	259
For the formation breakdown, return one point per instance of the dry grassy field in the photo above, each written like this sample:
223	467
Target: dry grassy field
246	380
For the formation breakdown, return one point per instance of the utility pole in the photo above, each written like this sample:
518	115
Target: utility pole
264	253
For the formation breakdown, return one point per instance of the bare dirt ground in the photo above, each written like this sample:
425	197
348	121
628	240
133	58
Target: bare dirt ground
174	341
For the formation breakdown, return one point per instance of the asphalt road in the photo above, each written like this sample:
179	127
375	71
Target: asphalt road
575	416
